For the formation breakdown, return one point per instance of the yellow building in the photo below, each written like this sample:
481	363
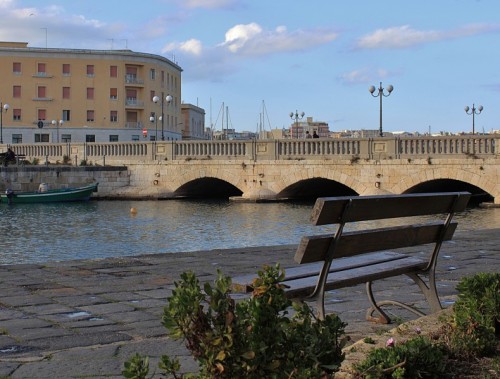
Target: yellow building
64	95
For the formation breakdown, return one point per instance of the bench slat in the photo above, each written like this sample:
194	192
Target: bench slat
243	283
304	286
314	248
328	210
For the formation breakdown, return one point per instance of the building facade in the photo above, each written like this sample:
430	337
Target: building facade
300	129
75	95
193	123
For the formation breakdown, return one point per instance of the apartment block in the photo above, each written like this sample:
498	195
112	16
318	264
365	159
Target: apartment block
77	95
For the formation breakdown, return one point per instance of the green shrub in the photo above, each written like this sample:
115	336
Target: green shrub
253	338
415	358
476	315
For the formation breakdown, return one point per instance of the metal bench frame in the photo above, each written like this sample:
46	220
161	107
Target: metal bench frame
344	259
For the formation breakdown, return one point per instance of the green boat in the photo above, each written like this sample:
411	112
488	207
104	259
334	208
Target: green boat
45	195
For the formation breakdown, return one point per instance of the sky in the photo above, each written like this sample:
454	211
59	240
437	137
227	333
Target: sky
262	59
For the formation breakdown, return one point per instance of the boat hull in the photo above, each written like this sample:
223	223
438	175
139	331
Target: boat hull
50	196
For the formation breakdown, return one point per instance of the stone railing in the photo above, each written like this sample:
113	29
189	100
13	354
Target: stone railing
261	150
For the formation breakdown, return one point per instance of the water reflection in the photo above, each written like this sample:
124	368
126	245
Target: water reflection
97	229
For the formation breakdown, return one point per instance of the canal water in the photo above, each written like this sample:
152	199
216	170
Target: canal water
36	233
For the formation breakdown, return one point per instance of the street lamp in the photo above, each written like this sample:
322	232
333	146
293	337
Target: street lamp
473	112
155	120
56	124
295	116
168	99
381	94
3	107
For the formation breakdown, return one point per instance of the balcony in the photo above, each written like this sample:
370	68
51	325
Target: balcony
133	80
132	102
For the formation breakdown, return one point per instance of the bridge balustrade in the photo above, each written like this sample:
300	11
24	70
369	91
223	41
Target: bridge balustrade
262	150
317	147
445	146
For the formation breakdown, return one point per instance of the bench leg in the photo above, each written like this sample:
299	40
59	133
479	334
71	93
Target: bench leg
429	291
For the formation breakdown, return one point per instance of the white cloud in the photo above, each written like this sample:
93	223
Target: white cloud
192	46
404	36
252	40
239	35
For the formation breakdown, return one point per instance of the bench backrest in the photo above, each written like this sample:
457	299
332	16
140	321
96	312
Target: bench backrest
342	210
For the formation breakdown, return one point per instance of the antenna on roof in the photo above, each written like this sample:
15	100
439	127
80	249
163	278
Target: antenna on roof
126	43
112	42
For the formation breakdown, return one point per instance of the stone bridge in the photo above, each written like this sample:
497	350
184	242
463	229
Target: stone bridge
264	170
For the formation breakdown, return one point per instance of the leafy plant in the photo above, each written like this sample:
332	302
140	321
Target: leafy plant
66	159
415	358
477	315
253	338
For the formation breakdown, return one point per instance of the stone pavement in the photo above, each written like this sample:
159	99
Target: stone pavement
84	318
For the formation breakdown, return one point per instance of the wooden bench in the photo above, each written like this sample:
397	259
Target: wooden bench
348	258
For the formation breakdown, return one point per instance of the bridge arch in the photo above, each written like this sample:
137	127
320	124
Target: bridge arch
313	188
207	187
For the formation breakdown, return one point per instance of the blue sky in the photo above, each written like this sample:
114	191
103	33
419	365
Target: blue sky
316	57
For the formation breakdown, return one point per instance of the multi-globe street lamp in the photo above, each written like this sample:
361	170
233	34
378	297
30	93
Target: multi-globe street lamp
3	107
155	120
168	99
296	117
56	124
381	94
474	111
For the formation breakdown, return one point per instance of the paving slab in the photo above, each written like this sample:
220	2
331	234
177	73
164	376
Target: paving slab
85	318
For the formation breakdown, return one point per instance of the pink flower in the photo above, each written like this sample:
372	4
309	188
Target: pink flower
390	342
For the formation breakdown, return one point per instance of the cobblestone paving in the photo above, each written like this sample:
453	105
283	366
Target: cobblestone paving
84	318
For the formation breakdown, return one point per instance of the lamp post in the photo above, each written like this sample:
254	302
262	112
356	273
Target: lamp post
474	111
168	99
3	107
56	124
381	94
296	116
155	120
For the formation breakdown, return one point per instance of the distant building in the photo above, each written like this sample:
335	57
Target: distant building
193	123
75	95
298	129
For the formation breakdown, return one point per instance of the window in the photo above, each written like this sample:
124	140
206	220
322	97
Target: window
16	91
66	115
90	93
162	77
113	138
66	92
113	116
151	95
113	93
65	138
90	138
66	69
152	74
17	138
16	115
42	92
41	69
90	70
135	137
90	116
42	114
113	71
39	137
16	68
